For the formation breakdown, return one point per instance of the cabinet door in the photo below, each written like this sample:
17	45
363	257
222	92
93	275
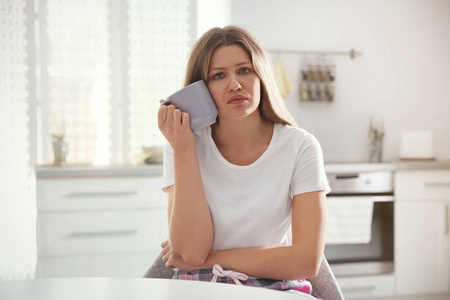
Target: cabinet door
96	194
87	233
421	248
106	265
370	286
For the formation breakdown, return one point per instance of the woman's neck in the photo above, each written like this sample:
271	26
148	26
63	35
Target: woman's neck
245	133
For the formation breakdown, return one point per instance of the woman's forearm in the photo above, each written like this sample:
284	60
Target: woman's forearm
299	261
284	263
190	224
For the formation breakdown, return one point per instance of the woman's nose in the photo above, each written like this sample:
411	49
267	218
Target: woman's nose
234	85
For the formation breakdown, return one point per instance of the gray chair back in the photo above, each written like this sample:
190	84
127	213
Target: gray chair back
324	284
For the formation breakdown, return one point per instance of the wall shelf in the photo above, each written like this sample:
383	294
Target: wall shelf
352	53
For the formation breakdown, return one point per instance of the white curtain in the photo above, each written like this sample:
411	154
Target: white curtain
91	69
17	192
158	37
104	64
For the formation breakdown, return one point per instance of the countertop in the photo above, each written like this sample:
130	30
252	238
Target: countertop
133	289
357	167
50	171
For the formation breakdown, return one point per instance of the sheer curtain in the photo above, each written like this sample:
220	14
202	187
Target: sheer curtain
17	192
75	76
159	40
103	66
92	70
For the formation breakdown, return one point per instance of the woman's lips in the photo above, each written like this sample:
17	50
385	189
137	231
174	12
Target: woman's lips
237	99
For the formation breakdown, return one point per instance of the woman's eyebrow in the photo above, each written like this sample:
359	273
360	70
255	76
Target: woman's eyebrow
216	69
243	63
223	68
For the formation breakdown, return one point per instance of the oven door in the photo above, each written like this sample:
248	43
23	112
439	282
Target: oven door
375	254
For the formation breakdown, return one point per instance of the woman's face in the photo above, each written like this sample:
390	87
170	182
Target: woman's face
233	83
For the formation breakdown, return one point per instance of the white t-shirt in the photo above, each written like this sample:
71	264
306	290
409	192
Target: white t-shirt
251	205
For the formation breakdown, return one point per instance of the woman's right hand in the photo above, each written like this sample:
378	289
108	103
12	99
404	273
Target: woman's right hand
174	125
174	260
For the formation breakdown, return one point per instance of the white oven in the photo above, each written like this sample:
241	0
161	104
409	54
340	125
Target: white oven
360	231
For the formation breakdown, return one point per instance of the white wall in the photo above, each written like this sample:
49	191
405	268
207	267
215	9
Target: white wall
403	75
212	14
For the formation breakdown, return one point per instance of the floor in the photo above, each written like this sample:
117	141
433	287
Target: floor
420	297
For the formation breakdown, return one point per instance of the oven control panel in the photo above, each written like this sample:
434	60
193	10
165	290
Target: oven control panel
376	182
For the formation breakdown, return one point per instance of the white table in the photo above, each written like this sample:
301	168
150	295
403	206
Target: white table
133	289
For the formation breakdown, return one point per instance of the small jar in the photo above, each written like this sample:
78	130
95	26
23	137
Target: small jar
330	92
313	92
304	92
304	74
323	73
322	93
314	74
330	73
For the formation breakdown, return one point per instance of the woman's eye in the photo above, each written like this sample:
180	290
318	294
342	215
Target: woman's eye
218	76
244	70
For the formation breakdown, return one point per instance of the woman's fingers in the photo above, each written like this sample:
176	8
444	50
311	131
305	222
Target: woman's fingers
185	119
165	250
165	115
177	117
164	244
170	110
166	257
170	115
174	125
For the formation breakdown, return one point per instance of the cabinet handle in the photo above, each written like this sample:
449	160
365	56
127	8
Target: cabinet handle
437	184
447	219
79	234
103	194
352	176
359	288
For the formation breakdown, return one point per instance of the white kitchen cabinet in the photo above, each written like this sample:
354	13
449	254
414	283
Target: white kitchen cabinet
370	286
99	225
422	237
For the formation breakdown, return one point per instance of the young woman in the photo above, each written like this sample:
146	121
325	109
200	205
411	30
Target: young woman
246	194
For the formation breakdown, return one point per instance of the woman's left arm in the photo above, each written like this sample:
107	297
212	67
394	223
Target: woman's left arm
299	261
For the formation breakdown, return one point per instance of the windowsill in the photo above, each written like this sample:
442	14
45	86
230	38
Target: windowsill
79	170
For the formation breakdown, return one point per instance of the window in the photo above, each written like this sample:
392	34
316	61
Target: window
17	183
91	69
159	40
102	66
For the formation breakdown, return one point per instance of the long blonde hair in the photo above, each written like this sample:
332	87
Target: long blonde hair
272	105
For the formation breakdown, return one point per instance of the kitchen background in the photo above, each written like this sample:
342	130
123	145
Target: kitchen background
402	77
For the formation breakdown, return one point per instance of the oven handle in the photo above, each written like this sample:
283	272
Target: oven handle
382	198
447	219
437	184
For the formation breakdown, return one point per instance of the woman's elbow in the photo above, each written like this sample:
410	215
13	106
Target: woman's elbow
312	270
305	269
194	259
193	256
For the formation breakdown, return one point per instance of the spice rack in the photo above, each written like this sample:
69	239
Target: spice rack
318	79
317	82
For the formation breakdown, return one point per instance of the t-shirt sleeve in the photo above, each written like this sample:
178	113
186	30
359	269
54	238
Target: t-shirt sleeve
168	175
309	171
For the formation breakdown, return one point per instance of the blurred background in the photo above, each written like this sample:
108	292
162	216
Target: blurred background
89	73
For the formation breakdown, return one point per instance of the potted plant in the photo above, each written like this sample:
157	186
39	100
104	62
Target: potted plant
59	147
376	136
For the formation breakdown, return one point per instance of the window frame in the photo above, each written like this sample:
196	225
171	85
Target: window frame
39	111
